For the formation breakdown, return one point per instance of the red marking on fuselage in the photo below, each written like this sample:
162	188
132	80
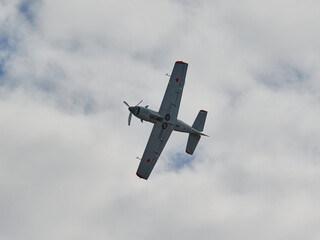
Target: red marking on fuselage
148	160
177	79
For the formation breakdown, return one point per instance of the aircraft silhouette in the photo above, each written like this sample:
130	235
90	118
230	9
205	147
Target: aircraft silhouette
165	121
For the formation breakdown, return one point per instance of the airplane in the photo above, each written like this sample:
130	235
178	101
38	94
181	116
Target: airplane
165	121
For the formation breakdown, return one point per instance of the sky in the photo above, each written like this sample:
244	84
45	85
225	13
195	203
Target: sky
68	158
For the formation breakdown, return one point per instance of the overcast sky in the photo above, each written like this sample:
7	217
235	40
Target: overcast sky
68	158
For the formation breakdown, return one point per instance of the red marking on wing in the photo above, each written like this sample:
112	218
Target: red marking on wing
148	160
203	111
188	152
140	176
177	79
180	62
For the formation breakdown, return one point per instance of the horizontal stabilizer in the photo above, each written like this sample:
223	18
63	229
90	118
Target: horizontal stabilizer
192	143
195	137
200	120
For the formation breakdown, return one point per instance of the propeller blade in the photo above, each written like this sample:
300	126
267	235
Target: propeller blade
139	103
129	118
126	103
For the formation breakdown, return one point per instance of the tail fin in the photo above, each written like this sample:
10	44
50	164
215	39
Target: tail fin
198	125
200	120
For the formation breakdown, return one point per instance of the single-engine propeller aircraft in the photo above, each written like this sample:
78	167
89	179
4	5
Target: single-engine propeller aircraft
165	121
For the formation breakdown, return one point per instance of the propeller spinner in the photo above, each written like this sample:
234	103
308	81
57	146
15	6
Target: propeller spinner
131	110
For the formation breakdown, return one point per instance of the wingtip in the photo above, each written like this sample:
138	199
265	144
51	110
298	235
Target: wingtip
181	62
140	176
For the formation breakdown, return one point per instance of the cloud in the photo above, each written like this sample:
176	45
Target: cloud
28	9
68	158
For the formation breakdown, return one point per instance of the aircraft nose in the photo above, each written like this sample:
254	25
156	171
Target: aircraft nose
131	109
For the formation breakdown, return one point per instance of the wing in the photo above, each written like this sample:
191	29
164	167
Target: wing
172	97
157	140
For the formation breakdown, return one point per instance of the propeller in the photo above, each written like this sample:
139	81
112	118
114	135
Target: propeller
130	109
129	118
126	104
139	103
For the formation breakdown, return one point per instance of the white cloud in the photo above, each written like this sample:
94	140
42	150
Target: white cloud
68	158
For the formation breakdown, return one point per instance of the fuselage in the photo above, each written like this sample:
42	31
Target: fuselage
149	115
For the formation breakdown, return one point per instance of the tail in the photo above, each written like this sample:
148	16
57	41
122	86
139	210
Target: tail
195	137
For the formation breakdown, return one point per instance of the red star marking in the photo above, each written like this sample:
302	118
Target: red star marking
148	160
177	79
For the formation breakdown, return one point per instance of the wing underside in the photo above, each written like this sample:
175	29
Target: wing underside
162	130
172	97
157	140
